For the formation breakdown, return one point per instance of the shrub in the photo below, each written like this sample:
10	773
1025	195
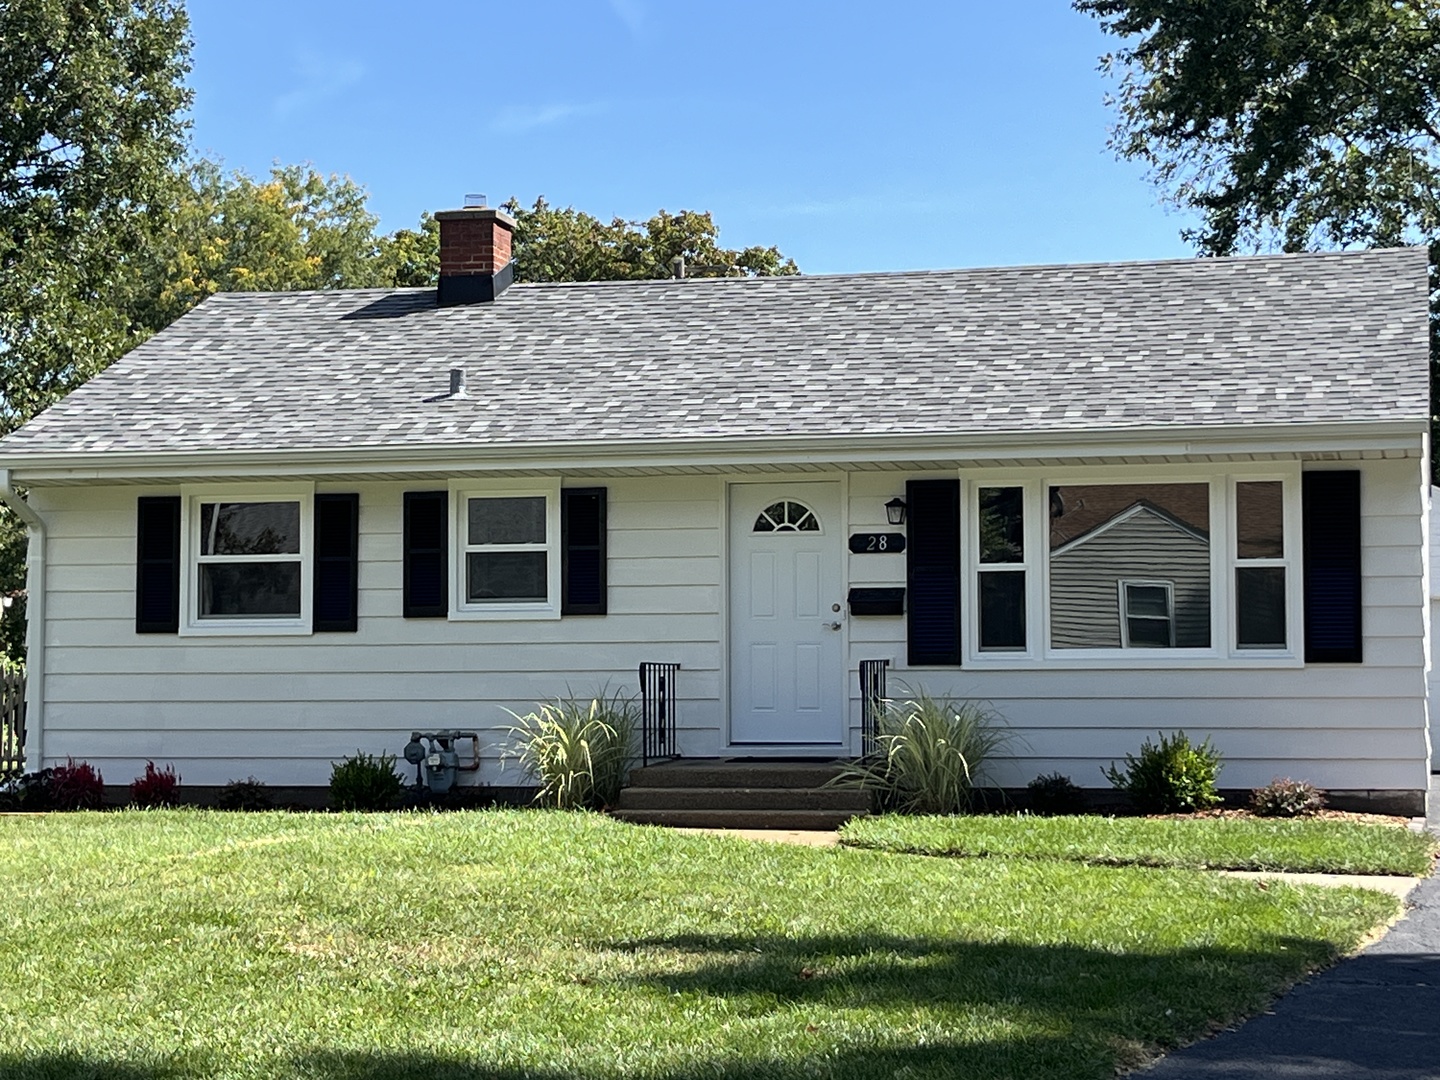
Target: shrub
1173	777
29	792
930	756
365	782
1287	798
155	788
1055	794
247	794
76	785
581	752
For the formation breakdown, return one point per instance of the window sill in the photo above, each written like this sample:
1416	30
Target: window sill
246	628
1207	661
507	613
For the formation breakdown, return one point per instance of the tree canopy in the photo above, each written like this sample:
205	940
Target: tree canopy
230	232
91	131
1283	123
553	244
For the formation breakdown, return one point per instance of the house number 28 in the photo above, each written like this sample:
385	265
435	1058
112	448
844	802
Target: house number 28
877	543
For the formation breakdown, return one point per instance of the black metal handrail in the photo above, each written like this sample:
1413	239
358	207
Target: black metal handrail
872	702
658	700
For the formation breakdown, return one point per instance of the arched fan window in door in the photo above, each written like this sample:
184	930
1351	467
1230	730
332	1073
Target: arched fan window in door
786	516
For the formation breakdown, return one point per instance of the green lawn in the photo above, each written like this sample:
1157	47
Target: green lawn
503	945
1216	843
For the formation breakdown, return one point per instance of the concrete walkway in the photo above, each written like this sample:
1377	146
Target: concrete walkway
1400	887
1376	1017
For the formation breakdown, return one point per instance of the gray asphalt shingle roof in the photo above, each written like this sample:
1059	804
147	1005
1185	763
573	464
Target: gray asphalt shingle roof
1271	339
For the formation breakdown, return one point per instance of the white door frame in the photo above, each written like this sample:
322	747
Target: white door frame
842	748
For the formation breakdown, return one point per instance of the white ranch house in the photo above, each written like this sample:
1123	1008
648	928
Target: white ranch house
1137	497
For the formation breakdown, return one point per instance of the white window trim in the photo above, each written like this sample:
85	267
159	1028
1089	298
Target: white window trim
461	610
973	568
1122	584
1290	561
1040	655
191	624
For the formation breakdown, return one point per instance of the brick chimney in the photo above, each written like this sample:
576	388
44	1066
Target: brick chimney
475	263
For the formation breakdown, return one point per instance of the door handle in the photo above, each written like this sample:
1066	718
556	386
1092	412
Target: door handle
832	626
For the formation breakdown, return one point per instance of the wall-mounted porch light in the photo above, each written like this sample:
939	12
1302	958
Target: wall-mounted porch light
895	511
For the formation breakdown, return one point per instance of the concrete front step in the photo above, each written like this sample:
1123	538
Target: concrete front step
806	820
765	798
719	773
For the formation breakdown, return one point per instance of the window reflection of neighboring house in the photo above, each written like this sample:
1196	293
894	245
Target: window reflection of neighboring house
1140	578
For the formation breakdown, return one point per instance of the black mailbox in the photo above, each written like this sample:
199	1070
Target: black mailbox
888	601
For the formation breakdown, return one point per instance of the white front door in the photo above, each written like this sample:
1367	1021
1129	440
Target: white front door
786	615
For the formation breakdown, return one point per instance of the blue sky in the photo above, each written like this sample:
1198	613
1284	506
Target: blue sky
853	136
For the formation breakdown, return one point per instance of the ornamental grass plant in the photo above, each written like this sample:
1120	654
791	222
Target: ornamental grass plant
931	754
580	751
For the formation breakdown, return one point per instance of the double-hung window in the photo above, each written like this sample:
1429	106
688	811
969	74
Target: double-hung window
1261	552
248	562
1147	614
1001	569
509	553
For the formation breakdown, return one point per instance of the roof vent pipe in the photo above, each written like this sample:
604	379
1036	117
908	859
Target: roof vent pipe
677	267
457	382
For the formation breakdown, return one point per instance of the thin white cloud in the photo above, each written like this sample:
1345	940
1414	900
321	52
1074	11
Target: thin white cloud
319	78
518	119
632	14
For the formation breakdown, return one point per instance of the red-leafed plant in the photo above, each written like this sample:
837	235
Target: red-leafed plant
155	788
76	785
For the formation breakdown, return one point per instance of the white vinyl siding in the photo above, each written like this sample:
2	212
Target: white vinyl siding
283	709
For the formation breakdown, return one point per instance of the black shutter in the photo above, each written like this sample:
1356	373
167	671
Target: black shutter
426	554
337	562
157	565
582	551
932	570
1330	506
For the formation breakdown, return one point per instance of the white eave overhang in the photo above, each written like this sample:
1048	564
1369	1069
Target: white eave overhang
1398	438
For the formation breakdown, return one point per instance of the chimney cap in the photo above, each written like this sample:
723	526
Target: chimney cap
477	213
473	201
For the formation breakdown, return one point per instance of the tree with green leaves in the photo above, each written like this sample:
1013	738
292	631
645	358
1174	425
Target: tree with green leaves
229	232
553	244
91	129
411	257
1292	123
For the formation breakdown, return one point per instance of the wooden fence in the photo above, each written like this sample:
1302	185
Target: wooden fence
12	722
